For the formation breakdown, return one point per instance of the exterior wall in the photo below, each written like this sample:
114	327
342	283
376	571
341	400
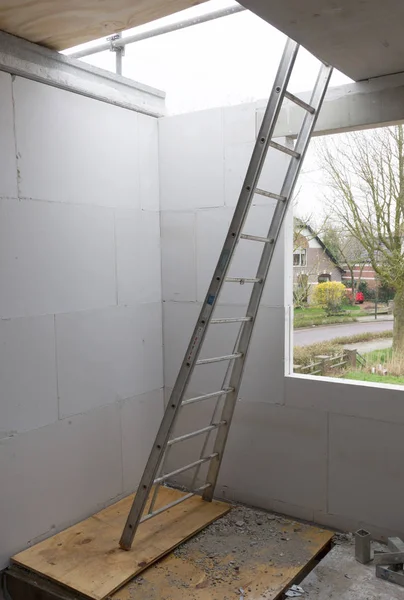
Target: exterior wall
368	274
317	264
317	260
81	372
313	448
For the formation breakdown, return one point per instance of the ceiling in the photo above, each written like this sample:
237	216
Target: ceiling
361	38
61	24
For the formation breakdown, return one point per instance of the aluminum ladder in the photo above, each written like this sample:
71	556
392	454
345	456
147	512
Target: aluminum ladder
154	475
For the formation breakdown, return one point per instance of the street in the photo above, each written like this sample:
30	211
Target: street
303	337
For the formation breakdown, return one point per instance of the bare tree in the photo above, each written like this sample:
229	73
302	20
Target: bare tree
365	172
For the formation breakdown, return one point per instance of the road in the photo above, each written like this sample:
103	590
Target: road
303	337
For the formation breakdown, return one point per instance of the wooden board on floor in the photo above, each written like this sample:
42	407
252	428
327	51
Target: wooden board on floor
61	24
87	557
194	572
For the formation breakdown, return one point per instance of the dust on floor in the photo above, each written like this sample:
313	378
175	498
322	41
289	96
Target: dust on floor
340	577
245	554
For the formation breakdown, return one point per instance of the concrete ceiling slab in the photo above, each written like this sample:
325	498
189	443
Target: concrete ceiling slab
61	24
361	38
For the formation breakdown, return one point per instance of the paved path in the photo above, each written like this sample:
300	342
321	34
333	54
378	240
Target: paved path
303	337
363	347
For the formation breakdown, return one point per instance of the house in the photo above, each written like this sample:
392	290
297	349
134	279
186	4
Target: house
364	273
313	262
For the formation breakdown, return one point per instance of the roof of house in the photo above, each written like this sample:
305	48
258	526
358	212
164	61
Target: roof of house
320	241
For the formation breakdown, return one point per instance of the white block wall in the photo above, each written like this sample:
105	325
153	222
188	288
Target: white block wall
81	372
81	368
317	449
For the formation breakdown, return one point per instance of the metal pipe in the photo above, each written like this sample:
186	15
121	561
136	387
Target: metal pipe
230	320
284	149
363	549
207	396
174	503
255	238
215	359
243	280
270	195
186	468
119	52
188	436
299	102
137	37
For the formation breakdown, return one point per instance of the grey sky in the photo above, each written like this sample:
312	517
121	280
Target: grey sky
223	62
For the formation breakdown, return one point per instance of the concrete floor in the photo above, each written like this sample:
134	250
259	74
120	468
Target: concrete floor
340	577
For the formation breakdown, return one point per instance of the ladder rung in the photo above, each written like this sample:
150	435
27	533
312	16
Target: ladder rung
186	468
174	503
270	195
206	361
284	149
230	320
207	396
188	436
242	280
300	102
256	238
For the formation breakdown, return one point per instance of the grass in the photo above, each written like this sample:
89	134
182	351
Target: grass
392	363
314	315
310	322
305	355
362	337
381	356
373	377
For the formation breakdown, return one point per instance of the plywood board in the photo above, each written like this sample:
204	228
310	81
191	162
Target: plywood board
61	24
87	557
262	558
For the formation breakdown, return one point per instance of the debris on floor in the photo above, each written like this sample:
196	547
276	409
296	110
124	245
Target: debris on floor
390	564
296	591
339	576
245	555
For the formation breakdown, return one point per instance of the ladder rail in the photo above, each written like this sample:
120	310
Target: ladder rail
262	272
245	199
216	410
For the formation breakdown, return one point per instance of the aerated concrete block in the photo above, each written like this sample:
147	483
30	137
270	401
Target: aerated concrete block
75	149
364	466
55	258
8	161
56	475
108	355
178	250
191	160
141	417
28	389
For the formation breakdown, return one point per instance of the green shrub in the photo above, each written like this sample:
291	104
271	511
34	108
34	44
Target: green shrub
330	295
305	355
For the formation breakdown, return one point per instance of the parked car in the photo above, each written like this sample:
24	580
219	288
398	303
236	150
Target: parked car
359	297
